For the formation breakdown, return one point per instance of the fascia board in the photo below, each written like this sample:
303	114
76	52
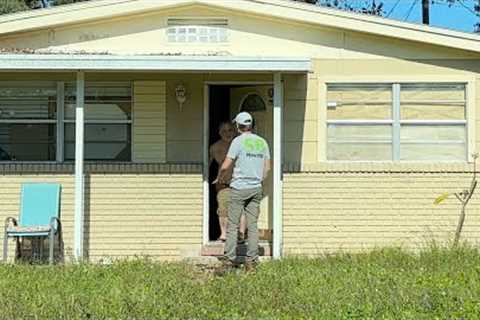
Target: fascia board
61	62
76	13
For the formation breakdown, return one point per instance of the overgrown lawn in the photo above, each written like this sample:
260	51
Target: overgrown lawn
385	284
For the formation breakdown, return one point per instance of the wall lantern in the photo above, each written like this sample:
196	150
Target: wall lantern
181	95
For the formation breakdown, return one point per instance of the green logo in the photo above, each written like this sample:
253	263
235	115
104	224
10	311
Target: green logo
254	145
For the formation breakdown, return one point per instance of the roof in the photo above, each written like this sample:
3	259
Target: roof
284	9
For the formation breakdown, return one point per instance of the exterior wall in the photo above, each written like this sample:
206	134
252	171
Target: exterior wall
249	34
327	206
149	121
331	206
355	211
130	210
11	178
150	210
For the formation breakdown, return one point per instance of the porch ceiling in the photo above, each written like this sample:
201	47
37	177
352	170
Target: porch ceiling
92	62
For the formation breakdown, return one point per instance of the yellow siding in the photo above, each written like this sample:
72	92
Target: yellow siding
130	210
155	215
250	35
325	212
10	185
149	121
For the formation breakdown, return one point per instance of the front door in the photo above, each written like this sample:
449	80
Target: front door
258	101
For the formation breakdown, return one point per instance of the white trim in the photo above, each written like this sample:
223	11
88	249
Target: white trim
28	121
471	107
234	83
102	121
63	62
79	169
277	166
396	128
206	134
60	117
397	123
434	122
360	122
206	166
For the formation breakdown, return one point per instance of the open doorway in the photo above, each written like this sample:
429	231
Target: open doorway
225	101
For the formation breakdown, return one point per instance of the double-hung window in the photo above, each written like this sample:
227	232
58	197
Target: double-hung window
28	121
399	122
108	119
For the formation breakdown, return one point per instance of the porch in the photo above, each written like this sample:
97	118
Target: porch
151	202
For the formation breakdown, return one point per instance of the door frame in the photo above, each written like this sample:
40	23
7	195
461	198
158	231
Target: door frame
206	135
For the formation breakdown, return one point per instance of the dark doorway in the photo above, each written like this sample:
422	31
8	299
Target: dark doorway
219	112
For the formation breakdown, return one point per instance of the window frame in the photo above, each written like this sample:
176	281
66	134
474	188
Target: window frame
55	122
396	121
128	122
60	121
194	20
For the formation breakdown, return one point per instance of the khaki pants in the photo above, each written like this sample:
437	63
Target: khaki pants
243	201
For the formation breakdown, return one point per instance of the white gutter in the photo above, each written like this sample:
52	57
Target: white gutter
65	62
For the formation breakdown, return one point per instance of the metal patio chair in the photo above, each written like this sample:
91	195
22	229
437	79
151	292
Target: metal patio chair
39	216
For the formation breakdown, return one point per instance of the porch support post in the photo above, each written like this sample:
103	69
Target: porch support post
79	174
277	166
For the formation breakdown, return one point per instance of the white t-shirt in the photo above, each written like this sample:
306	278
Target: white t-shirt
249	152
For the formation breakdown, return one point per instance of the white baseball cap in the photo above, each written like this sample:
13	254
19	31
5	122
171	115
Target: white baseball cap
244	118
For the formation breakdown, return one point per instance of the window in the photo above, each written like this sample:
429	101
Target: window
253	102
28	121
407	122
108	118
181	30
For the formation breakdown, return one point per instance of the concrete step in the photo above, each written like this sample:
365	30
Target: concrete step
216	249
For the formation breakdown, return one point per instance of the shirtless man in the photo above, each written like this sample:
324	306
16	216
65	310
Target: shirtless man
218	152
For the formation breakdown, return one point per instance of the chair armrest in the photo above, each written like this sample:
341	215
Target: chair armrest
10	220
55	224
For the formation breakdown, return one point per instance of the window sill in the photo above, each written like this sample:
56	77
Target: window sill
380	167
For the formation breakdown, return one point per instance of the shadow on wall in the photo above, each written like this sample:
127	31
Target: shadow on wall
299	120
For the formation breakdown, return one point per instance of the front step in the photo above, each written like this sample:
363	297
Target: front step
216	249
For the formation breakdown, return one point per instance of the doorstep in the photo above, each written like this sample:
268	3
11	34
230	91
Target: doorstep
216	249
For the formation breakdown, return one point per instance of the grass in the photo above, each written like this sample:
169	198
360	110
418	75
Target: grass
384	284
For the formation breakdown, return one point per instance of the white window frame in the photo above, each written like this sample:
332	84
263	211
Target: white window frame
396	122
129	122
193	25
34	121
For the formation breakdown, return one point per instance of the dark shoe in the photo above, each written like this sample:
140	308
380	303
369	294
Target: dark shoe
227	266
250	266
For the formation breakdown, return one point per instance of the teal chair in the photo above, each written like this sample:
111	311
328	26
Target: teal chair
39	216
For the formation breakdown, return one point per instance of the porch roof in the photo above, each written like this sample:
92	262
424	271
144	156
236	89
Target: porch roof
106	62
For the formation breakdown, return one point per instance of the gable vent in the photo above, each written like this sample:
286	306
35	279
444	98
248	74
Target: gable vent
201	30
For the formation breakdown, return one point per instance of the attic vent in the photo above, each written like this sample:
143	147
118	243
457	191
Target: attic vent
201	30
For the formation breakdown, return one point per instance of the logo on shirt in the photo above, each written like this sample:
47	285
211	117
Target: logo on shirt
254	145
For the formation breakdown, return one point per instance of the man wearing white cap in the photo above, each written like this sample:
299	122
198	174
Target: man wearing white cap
250	155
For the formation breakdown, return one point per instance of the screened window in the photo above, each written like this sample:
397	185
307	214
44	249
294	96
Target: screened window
108	118
410	122
28	121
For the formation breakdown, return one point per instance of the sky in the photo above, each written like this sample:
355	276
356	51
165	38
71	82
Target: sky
460	16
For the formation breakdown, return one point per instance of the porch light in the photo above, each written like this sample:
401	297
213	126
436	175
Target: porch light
181	95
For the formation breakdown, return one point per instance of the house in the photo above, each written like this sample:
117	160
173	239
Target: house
369	121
